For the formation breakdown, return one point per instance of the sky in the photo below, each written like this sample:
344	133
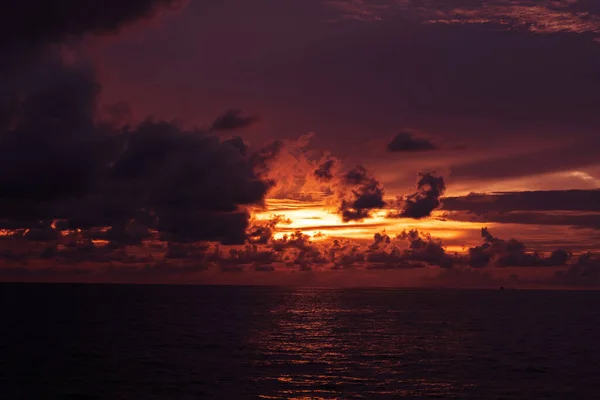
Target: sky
448	143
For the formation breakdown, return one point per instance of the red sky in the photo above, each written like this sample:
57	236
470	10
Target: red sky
494	104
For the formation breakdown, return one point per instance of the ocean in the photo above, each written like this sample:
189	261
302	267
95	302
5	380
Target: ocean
69	341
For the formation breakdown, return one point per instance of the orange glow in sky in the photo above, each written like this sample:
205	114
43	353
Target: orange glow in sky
321	222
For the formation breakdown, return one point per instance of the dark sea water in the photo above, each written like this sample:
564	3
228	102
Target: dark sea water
195	342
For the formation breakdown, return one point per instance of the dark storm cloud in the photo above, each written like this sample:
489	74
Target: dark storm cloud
47	106
407	142
233	120
54	150
29	28
34	21
194	183
56	162
430	189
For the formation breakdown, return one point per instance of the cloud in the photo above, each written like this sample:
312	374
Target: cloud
47	103
130	232
324	171
422	250
545	17
61	160
59	20
426	248
81	260
580	208
32	33
50	148
406	142
182	183
585	271
261	232
430	189
558	218
359	195
291	167
358	10
355	193
236	259
233	120
72	169
571	200
542	17
512	253
195	184
298	250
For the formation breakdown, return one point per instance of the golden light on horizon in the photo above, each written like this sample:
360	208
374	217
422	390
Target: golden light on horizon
320	221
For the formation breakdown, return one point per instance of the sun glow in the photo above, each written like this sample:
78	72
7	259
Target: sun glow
320	221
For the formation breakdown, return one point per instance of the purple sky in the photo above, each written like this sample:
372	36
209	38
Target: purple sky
522	101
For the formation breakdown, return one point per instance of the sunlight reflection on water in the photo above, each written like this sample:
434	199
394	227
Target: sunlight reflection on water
321	347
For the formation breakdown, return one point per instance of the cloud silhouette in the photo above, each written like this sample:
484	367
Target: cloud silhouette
585	272
361	194
551	200
406	142
430	189
60	160
512	253
324	171
233	120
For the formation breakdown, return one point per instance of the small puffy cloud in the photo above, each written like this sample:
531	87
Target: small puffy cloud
406	142
233	120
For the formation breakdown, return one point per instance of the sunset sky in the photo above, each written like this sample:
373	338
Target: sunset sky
310	142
